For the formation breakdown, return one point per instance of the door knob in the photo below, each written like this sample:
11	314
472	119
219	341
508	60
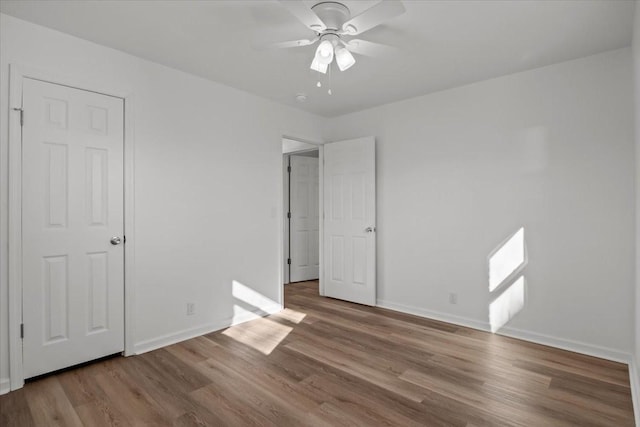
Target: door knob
115	241
370	229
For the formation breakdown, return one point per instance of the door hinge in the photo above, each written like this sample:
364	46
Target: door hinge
21	330
289	169
289	261
124	239
21	115
289	215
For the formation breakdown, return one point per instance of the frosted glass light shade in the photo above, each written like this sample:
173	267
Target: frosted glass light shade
321	68
344	58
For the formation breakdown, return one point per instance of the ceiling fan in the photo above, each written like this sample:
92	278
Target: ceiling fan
334	28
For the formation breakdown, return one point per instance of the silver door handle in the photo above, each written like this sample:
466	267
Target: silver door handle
370	229
115	241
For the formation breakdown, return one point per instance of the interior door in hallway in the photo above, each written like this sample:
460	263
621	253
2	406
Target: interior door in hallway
305	218
350	220
72	220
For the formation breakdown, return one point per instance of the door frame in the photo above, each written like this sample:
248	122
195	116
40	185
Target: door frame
284	245
17	74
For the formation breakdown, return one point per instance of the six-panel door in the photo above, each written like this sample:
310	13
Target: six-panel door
72	204
305	218
349	220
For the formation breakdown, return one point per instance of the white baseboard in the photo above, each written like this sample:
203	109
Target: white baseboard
5	385
175	337
435	315
564	344
634	378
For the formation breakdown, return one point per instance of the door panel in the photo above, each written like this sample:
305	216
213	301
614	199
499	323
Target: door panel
72	204
349	225
305	218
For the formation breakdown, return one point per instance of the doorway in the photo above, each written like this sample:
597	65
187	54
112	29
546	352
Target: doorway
346	208
301	211
303	217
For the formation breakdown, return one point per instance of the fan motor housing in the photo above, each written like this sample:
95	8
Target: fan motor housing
333	14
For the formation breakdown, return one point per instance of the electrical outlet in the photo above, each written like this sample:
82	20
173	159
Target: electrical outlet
191	309
453	298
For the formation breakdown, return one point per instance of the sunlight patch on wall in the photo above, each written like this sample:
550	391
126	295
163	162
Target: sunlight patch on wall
251	304
257	332
507	305
506	260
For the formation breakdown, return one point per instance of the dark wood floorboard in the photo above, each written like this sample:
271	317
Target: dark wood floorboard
328	362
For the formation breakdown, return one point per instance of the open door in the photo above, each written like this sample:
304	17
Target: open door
350	220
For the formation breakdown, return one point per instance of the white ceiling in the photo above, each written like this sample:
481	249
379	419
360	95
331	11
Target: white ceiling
440	44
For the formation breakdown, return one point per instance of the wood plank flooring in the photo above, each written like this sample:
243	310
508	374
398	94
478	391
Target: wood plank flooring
328	362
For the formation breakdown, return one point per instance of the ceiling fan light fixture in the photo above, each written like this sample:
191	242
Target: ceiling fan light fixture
344	58
317	66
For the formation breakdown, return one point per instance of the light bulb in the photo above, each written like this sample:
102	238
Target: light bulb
324	53
329	92
344	58
319	84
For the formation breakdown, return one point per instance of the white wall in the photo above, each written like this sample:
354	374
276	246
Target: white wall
459	171
208	180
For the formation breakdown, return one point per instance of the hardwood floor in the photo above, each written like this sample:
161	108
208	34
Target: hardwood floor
328	362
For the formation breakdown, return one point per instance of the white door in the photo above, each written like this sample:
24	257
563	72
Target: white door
72	205
305	222
350	220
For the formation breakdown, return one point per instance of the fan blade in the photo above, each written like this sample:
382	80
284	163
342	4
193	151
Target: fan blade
304	14
287	44
366	48
373	16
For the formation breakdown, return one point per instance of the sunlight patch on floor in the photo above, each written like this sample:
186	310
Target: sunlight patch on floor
291	315
262	334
